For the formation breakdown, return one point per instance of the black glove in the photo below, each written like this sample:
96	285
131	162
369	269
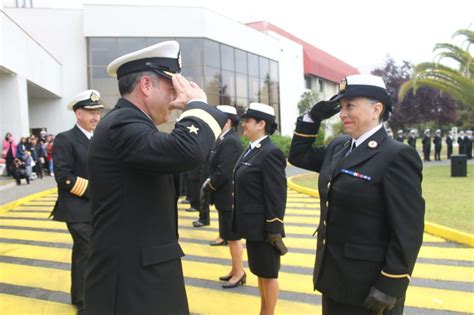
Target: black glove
276	241
323	110
205	193
377	301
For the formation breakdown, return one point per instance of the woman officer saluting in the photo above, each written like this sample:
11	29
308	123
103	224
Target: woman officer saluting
259	202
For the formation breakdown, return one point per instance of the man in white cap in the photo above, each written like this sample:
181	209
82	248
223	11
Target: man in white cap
71	174
372	211
468	144
400	136
426	142
412	139
437	145
449	144
135	260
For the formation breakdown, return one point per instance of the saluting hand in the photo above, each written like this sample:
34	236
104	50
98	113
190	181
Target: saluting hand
185	92
323	110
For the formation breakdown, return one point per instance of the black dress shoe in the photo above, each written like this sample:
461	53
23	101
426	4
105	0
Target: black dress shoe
241	281
199	224
185	201
191	209
225	278
214	243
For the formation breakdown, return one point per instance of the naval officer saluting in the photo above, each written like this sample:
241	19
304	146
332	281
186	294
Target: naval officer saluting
371	224
135	261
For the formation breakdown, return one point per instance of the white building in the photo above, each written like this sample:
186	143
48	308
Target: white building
49	55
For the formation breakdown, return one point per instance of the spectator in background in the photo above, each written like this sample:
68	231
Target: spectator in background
426	141
400	136
18	171
49	153
449	144
437	145
21	148
29	163
468	144
412	139
9	151
36	154
460	142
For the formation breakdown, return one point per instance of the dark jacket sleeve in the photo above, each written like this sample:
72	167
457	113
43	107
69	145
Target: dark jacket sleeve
63	156
142	146
228	156
405	209
302	153
274	190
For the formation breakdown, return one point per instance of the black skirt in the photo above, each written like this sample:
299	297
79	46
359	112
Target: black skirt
264	259
225	226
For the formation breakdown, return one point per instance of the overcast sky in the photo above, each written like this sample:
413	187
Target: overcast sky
359	32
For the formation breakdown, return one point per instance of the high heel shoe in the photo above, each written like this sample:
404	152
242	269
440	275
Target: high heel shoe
225	278
241	281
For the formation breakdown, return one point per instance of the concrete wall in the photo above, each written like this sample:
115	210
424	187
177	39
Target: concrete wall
14	105
60	32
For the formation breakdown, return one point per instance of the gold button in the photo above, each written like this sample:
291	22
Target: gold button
329	184
327	204
324	241
324	222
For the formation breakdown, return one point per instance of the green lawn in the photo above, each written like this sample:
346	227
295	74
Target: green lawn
449	200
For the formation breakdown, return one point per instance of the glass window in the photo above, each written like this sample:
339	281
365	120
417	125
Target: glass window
264	67
155	40
253	89
241	83
100	72
227	55
321	85
126	45
213	81
240	61
213	99
274	92
227	99
212	54
103	43
191	52
264	92
195	74
253	64
102	57
228	83
273	70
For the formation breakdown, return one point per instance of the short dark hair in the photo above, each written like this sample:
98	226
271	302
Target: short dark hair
270	126
127	83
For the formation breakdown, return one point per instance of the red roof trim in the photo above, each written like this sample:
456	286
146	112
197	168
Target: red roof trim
316	61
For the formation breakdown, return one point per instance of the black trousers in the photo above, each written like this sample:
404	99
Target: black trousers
80	233
331	307
437	154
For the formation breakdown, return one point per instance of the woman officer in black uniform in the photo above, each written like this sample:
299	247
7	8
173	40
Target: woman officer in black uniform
260	200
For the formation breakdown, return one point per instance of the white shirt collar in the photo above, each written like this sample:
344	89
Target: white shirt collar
223	134
254	144
88	134
366	135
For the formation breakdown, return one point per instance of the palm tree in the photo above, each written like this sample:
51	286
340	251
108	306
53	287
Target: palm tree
457	82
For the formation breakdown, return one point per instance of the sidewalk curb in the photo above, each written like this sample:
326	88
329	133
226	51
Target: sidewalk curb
430	228
8	206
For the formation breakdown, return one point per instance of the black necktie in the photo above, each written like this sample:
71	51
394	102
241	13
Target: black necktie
247	152
353	146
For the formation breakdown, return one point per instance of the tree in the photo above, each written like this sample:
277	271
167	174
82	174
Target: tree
308	99
428	105
457	82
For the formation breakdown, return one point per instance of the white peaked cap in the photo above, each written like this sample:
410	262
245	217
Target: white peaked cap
163	58
227	109
89	99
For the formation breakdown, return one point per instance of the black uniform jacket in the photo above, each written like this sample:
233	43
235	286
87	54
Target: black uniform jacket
371	224
260	192
71	174
224	154
135	261
437	142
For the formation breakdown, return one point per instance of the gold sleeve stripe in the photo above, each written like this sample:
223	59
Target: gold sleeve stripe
75	188
79	188
274	219
396	276
204	116
304	135
212	187
86	183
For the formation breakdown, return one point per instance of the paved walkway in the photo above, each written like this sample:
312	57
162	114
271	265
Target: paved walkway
35	263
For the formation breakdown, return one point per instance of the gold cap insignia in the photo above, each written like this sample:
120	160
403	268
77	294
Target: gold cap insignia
94	97
373	144
342	85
